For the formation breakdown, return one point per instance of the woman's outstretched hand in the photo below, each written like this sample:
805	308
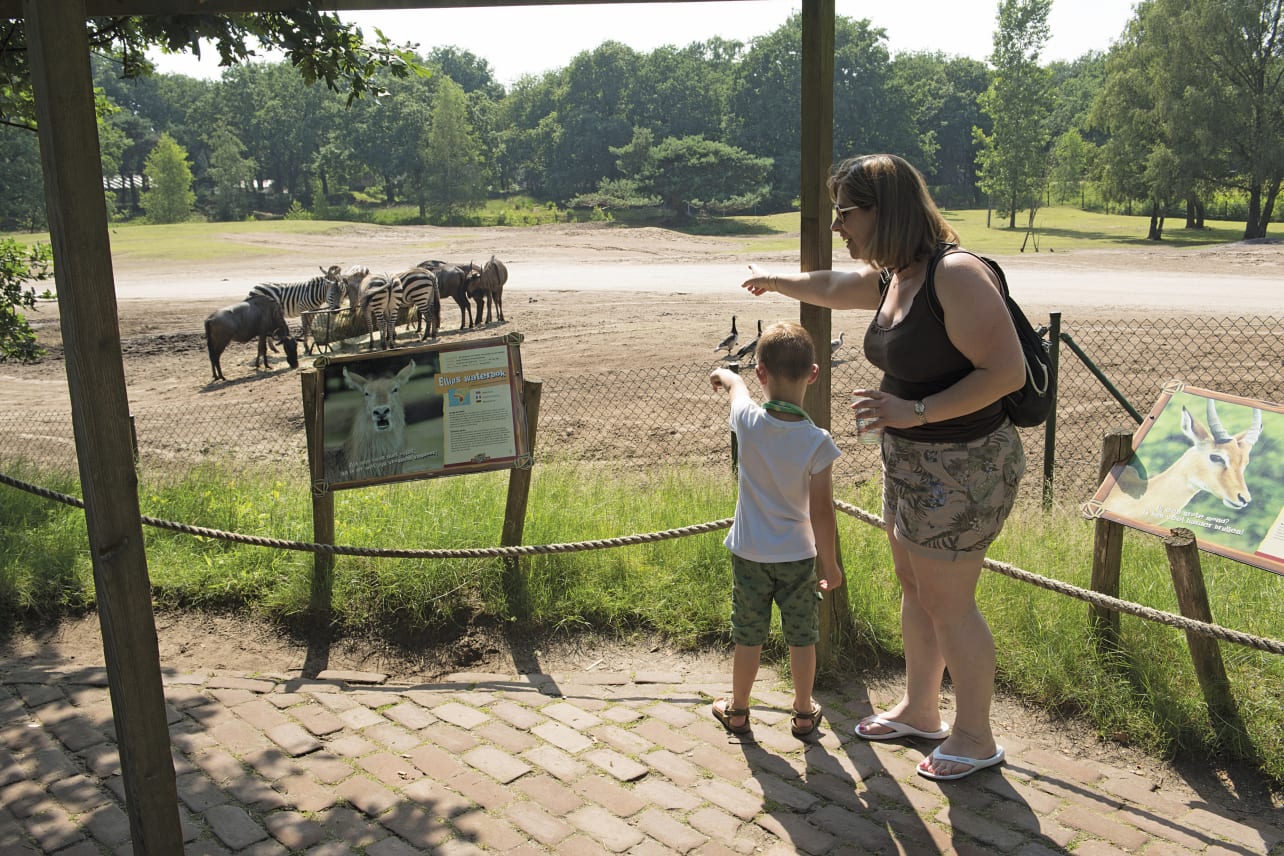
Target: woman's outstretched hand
759	281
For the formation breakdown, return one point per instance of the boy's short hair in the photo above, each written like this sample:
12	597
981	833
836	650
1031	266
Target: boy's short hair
786	350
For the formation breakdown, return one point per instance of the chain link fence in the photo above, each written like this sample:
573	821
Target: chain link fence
670	417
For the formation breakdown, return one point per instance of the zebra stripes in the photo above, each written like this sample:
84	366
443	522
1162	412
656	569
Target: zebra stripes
419	289
297	298
380	303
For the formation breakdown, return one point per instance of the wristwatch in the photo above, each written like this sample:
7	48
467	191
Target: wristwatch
920	410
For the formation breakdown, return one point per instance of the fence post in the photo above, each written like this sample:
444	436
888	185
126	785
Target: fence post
1192	598
519	489
1107	548
1050	427
133	439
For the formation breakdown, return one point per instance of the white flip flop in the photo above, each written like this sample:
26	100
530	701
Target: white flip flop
977	764
899	730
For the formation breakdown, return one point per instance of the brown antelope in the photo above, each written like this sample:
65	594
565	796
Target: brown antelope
1215	462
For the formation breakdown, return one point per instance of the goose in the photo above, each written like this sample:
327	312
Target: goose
730	342
748	350
835	344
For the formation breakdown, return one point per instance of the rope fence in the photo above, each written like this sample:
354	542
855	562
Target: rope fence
1114	604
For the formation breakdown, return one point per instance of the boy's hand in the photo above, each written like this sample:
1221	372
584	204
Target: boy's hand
715	378
831	578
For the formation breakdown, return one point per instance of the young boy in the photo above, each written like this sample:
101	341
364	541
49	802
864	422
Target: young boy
784	522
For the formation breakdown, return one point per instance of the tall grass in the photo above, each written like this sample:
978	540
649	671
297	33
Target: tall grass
1146	694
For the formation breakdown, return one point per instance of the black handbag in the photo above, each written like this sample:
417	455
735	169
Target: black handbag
1030	405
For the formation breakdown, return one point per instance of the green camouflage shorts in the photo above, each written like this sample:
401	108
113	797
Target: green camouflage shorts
948	500
790	585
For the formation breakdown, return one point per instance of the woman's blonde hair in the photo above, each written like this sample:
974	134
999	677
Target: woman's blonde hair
908	226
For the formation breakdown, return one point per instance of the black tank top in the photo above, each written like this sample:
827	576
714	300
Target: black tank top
918	359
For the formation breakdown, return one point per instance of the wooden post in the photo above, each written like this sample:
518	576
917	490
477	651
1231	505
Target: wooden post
816	250
519	490
1107	548
1192	598
64	100
816	157
320	599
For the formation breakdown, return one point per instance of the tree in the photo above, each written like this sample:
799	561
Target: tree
1012	157
590	116
1071	160
942	95
22	204
230	174
453	179
705	175
1223	87
869	113
18	266
170	197
320	46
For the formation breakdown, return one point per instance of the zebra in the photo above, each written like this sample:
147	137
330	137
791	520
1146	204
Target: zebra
380	303
299	298
419	289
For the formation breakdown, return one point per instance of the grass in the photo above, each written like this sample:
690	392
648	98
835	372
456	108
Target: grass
1059	229
1146	694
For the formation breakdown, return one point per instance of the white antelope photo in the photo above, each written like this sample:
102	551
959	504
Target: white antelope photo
376	444
1215	462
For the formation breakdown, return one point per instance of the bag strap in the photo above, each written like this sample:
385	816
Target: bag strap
930	282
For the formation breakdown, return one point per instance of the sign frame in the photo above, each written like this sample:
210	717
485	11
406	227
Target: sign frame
428	405
1244	534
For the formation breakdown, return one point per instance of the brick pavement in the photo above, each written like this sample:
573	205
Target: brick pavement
581	763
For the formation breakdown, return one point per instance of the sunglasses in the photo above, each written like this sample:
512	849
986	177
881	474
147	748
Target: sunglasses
841	213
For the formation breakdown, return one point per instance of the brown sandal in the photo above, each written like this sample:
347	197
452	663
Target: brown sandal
726	713
809	717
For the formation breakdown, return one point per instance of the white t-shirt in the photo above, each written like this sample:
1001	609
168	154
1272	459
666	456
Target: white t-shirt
777	459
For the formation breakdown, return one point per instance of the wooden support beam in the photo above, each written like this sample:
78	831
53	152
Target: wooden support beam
100	415
817	156
1205	654
816	253
519	492
1107	548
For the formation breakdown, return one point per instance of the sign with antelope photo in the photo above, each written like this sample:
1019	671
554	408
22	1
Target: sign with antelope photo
1208	462
416	413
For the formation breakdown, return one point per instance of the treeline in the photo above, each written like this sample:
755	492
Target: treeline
1184	116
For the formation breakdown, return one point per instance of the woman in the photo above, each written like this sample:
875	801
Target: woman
951	459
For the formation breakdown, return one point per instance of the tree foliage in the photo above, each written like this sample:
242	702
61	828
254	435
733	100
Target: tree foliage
453	177
170	197
20	265
318	45
1012	158
1215	97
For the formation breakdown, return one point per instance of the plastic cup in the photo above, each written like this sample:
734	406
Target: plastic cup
865	434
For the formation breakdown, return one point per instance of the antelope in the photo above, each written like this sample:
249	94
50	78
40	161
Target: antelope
1215	462
377	439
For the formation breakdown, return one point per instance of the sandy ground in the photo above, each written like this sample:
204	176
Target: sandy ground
591	297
